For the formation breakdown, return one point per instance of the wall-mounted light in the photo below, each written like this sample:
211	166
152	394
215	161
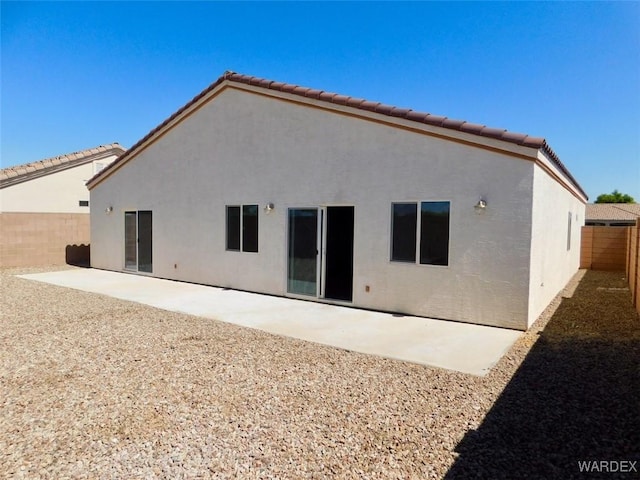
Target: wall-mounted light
480	206
108	210
268	208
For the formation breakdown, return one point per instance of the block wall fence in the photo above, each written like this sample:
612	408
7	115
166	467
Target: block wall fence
633	264
614	249
36	239
604	248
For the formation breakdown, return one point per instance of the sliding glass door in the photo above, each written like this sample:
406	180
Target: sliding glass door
320	256
138	241
302	277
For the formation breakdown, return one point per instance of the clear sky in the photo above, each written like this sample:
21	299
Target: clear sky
80	74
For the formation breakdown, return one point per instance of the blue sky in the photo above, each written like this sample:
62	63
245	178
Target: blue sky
79	74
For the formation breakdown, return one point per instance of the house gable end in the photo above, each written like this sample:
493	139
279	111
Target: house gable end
500	140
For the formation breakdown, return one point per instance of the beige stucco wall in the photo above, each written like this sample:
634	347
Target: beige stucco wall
552	264
245	148
58	192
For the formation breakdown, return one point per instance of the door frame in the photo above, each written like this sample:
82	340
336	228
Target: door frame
319	223
136	269
321	247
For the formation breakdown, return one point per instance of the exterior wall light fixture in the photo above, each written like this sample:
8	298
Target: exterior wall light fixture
268	208
480	206
108	210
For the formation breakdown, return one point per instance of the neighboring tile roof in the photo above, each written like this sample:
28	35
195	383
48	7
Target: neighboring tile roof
362	104
612	211
17	173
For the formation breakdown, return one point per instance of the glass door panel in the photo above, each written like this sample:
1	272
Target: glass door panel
131	240
144	241
302	276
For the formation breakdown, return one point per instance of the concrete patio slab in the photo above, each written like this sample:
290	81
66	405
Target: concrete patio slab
456	346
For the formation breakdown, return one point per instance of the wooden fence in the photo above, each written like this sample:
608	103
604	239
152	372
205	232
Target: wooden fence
604	248
633	264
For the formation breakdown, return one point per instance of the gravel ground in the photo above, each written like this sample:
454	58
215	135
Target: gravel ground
95	387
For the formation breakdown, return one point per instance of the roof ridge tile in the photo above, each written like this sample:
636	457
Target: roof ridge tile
435	120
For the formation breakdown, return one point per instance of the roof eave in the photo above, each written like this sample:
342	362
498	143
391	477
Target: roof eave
49	170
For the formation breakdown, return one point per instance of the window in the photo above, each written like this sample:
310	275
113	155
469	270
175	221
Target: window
569	232
233	228
434	233
403	241
250	228
83	203
430	229
242	228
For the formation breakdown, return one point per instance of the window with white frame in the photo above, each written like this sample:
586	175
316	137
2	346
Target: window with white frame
242	228
420	232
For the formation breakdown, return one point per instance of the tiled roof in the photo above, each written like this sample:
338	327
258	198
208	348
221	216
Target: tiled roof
612	211
8	175
362	104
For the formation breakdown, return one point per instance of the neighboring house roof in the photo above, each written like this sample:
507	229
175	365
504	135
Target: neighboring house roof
522	139
21	173
612	211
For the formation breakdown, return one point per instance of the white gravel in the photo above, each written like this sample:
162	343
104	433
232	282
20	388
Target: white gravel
94	387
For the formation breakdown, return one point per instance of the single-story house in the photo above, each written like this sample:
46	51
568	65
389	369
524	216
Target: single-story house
274	188
44	206
611	214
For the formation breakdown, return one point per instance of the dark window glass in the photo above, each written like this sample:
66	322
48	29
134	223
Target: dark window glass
303	251
250	228
145	236
131	240
233	228
403	236
83	203
434	233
